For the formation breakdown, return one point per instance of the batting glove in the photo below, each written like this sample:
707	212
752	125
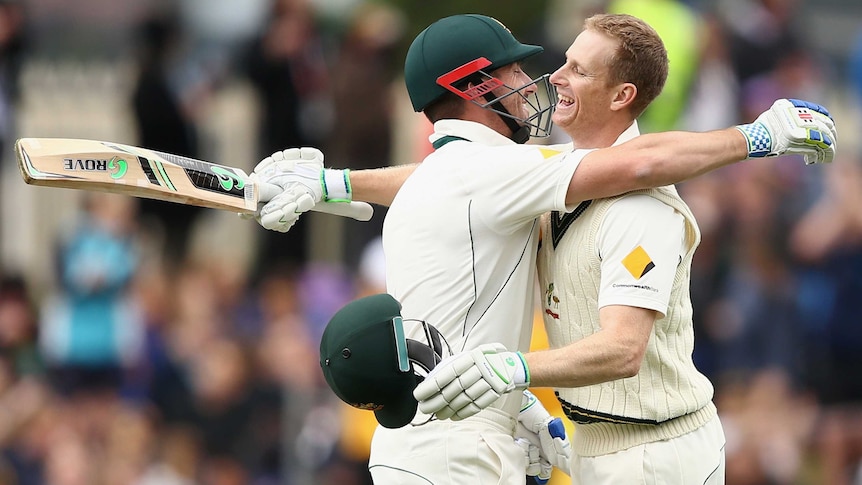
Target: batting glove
547	432
466	383
305	185
792	126
537	467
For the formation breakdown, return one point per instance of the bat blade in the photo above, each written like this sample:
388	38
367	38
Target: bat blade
113	167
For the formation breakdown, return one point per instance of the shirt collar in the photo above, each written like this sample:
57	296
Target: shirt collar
469	130
477	132
631	132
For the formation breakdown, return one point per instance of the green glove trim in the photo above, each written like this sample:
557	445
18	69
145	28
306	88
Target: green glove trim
336	185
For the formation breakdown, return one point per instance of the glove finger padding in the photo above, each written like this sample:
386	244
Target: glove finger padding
444	373
538	466
823	137
475	405
535	466
282	212
815	130
553	437
549	431
464	384
449	392
266	191
310	153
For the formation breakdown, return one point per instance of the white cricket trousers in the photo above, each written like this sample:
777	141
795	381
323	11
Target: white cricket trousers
694	458
478	450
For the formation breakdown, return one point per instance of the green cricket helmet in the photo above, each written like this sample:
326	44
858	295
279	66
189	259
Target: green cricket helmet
466	47
370	364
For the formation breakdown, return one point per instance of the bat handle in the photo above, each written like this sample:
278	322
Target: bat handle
360	211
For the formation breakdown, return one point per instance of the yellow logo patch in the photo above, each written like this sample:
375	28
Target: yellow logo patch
638	262
548	153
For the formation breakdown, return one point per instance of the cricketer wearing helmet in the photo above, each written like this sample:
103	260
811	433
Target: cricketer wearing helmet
460	245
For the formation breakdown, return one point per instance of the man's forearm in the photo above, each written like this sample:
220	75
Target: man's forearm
615	352
379	185
676	156
654	160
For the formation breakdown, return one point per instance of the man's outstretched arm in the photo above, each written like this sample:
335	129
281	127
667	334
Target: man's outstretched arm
379	185
657	159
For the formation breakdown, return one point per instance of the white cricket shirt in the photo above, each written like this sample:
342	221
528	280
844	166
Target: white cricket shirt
461	236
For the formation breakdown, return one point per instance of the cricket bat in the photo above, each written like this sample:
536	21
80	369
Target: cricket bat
113	167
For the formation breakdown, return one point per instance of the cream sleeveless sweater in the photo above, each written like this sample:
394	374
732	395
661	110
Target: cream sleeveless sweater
669	396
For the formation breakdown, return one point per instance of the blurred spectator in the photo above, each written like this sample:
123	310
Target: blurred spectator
287	67
91	329
221	386
323	289
12	42
67	460
760	32
19	328
713	102
127	444
796	75
21	391
287	375
177	458
762	448
193	321
366	69
164	111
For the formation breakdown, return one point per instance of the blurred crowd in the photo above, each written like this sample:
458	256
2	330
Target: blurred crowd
136	358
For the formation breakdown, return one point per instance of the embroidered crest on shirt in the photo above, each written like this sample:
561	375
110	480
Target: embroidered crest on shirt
638	263
552	302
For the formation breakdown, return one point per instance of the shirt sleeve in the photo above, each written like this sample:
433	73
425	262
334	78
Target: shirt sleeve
524	184
640	243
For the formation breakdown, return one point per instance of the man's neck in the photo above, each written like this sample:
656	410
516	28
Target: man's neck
604	136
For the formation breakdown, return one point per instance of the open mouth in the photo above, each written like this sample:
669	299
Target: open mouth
564	101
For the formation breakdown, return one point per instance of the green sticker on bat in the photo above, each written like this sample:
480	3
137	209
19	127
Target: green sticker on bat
118	168
227	178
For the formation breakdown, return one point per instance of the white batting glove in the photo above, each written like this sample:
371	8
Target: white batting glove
305	185
464	384
536	466
792	126
548	432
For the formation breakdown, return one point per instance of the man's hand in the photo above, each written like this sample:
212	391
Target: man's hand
466	383
547	432
792	126
303	185
537	466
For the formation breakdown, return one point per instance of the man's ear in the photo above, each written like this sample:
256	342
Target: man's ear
625	96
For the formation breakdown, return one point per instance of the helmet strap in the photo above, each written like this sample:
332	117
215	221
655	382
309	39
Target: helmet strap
520	133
